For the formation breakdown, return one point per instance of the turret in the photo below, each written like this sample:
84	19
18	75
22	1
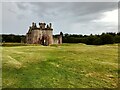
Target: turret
42	25
50	25
33	25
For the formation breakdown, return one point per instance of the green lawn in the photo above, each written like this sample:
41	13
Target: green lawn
65	66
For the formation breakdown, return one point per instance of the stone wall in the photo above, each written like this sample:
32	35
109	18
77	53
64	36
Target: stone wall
41	35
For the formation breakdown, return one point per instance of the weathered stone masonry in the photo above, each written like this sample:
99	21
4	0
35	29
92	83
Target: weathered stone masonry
41	35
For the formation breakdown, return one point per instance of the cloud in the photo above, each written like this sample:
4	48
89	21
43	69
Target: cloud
65	9
70	17
110	16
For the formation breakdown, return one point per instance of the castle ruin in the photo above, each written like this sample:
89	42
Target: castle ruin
42	35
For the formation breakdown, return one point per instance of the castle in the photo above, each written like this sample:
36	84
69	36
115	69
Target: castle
42	35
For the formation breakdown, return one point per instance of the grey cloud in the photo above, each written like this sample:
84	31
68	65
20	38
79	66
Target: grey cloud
22	5
12	11
65	16
84	11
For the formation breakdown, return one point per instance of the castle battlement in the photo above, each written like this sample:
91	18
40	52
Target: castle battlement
43	34
42	26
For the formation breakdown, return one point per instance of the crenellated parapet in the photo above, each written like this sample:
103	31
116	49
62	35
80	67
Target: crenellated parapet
34	26
42	26
45	26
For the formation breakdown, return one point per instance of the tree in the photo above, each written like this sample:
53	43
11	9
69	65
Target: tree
117	39
106	39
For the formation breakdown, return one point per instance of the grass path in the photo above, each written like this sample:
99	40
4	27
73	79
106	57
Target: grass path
65	66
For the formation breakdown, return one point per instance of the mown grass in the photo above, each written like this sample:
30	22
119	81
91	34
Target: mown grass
60	66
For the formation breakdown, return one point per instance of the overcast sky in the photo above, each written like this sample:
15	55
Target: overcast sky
68	17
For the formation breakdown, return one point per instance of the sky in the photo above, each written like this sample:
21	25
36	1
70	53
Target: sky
69	17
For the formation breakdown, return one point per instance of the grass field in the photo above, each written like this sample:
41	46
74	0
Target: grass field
65	66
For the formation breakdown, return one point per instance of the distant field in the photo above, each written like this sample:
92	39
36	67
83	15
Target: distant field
65	66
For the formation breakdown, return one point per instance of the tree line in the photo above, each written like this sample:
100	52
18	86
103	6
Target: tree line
104	38
12	38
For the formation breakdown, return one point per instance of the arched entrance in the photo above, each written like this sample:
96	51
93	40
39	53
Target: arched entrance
45	40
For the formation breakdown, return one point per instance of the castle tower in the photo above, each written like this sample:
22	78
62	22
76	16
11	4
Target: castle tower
42	34
60	38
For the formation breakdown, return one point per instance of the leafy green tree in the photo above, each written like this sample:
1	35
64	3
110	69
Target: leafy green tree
117	39
107	39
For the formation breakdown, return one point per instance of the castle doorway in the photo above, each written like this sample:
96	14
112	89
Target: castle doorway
45	40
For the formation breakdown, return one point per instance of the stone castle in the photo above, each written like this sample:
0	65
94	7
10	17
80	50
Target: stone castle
42	35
